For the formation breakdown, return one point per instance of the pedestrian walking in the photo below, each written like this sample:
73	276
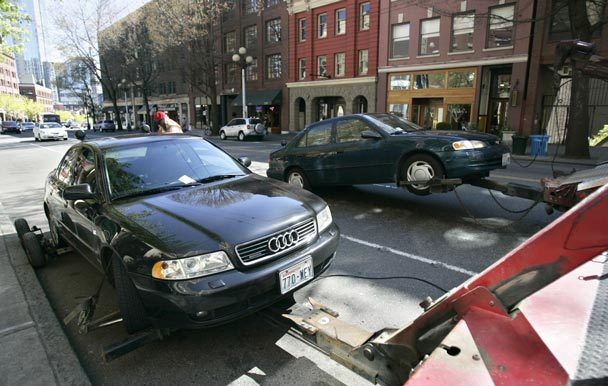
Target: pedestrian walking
166	125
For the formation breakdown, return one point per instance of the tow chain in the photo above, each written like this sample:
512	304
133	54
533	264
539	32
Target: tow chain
509	226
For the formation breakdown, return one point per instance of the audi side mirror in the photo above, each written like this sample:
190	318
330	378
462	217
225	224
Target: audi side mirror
78	192
245	161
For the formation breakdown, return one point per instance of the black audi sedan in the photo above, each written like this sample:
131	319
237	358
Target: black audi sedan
383	148
186	233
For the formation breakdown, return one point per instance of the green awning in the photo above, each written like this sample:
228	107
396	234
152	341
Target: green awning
259	98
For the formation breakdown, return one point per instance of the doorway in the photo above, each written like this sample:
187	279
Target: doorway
500	89
427	112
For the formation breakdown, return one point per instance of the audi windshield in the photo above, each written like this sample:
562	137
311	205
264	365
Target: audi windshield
158	166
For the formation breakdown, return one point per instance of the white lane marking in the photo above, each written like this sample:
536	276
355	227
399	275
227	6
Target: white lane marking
410	256
46	148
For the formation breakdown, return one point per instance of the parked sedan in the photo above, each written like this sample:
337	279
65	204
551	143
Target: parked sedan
9	126
50	130
381	148
104	126
242	128
27	126
187	234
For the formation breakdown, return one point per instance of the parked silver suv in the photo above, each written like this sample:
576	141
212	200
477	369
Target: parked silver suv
242	128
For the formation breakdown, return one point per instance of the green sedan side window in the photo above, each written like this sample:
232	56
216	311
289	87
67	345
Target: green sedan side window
349	130
319	135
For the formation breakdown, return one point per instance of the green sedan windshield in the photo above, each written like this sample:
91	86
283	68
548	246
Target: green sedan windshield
394	124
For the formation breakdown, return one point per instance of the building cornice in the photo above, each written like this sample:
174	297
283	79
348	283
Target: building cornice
297	6
332	82
457	64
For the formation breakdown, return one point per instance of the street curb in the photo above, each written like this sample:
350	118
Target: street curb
65	366
558	160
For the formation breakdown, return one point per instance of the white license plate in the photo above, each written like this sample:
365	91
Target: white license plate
296	275
506	159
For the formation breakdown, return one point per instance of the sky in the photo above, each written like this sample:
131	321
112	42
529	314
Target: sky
52	52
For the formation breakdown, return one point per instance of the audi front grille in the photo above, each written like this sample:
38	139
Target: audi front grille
277	244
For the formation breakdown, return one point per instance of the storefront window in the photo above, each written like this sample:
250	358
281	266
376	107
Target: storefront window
457	79
459	116
435	80
400	82
400	110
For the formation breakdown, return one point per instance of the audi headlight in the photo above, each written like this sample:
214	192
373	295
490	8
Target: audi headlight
466	145
324	219
192	267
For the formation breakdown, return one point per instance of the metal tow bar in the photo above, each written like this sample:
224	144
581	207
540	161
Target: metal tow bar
362	351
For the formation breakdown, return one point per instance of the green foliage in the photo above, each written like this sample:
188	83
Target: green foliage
65	116
20	107
600	138
11	26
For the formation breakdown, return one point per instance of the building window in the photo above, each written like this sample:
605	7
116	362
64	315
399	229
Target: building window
340	63
273	31
400	45
399	82
322	25
302	68
363	62
462	32
273	66
321	66
251	36
429	36
341	21
399	109
250	6
433	80
500	27
364	17
231	70
459	79
272	3
230	42
251	72
302	33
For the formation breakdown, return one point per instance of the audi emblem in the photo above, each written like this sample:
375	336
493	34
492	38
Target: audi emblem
283	241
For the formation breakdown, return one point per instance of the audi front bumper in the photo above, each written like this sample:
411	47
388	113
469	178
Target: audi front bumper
220	298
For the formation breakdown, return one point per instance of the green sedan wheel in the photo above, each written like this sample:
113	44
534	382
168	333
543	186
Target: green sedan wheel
421	167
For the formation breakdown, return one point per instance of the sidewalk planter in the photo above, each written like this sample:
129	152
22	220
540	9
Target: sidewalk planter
507	137
519	144
538	145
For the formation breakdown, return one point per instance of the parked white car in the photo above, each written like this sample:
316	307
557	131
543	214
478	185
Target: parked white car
49	130
242	128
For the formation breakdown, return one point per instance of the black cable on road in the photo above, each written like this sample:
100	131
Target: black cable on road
505	208
385	278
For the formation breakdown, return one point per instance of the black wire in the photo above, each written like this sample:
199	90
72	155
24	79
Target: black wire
504	208
384	278
525	166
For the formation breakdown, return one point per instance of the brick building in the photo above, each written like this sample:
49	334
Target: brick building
37	93
260	27
461	62
9	83
333	51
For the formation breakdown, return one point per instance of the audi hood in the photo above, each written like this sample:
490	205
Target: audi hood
215	216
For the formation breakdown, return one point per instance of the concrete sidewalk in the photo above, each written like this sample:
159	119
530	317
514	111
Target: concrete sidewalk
598	155
33	347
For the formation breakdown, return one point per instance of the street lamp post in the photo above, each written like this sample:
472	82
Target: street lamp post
123	85
244	62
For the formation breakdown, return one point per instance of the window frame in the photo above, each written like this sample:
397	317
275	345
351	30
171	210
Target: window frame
319	75
324	35
453	31
420	36
233	34
269	68
393	40
270	31
337	22
251	71
300	68
302	29
343	64
246	39
363	17
359	65
489	26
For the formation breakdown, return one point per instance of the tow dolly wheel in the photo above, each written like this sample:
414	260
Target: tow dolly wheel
33	250
22	227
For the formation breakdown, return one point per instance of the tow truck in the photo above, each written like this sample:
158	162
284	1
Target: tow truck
537	316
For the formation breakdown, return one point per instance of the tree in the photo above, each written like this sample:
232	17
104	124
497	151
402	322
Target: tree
12	32
96	46
75	76
189	34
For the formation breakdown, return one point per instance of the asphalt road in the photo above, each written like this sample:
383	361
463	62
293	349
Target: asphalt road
385	232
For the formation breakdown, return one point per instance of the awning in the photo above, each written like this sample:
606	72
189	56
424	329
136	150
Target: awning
260	98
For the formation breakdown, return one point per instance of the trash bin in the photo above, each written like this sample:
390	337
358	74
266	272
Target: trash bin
538	145
519	144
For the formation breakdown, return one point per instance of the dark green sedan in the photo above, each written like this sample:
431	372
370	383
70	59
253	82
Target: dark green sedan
380	148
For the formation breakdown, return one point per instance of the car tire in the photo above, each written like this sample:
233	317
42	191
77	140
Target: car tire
133	313
33	250
241	136
22	227
296	177
420	167
222	135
